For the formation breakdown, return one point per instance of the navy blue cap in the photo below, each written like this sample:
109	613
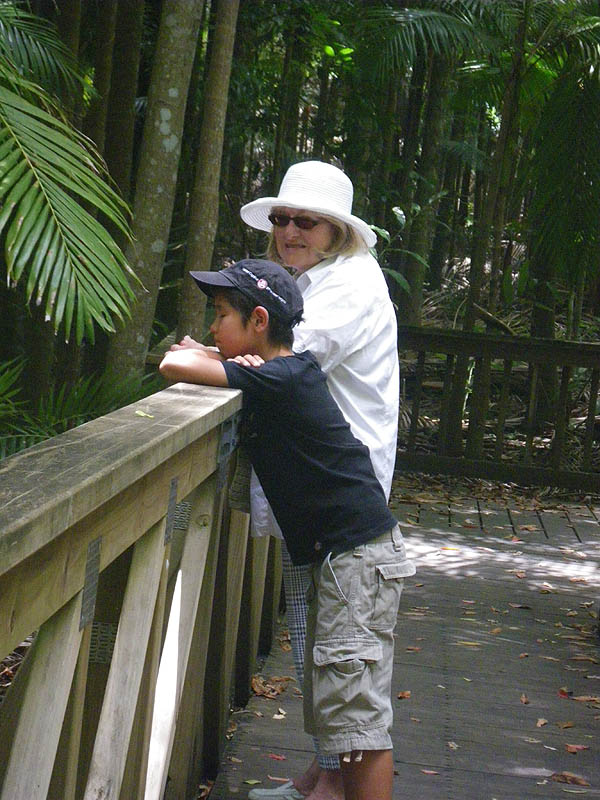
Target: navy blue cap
264	282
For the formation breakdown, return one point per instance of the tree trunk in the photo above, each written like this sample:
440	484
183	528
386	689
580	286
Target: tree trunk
104	41
420	233
204	209
292	78
441	239
120	113
157	177
499	176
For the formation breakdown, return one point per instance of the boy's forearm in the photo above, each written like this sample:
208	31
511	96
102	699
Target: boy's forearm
193	366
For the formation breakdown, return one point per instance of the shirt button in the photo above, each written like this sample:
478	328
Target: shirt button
318	546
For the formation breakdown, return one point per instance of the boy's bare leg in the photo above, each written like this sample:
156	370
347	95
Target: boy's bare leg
320	784
371	778
329	785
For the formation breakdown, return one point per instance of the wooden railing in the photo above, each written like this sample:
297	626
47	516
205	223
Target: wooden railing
476	393
122	563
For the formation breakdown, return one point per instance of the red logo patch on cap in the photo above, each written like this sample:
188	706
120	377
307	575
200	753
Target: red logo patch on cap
261	283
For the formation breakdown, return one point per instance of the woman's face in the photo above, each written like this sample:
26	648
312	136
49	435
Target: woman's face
301	249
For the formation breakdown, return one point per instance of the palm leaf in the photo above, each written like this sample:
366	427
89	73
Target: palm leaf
33	46
51	184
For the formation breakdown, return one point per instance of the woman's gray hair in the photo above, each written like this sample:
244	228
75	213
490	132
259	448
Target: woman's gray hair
346	241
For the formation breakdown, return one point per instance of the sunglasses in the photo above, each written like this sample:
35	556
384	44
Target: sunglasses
283	220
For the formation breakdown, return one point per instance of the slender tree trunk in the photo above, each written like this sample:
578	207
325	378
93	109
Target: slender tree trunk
420	233
68	20
204	210
323	108
120	113
410	133
157	177
441	239
389	140
104	41
499	176
292	78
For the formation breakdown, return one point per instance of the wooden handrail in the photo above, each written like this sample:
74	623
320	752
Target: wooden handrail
118	595
462	450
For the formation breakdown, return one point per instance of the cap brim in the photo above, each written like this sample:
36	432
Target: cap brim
208	281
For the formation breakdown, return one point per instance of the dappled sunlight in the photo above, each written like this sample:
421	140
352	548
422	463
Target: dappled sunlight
462	556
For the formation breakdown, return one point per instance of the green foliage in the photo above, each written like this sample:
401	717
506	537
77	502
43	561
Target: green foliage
64	408
52	185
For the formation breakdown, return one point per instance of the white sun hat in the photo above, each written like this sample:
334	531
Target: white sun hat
311	186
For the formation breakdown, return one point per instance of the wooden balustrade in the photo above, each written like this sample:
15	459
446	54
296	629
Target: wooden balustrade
471	432
121	559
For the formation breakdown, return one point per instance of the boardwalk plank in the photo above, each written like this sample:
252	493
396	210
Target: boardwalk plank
473	639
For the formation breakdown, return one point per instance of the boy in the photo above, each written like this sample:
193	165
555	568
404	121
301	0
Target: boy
330	506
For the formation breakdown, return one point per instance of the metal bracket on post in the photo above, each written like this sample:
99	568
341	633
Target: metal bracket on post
90	584
171	509
228	441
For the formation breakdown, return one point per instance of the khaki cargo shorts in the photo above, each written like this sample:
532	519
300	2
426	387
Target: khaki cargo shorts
353	603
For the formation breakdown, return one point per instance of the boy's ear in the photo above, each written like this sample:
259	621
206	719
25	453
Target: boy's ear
260	319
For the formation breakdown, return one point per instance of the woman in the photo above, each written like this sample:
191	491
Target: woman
350	326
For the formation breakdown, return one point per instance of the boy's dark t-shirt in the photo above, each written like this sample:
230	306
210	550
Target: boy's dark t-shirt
315	473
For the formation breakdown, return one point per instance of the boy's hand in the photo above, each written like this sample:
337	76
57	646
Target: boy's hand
248	360
187	343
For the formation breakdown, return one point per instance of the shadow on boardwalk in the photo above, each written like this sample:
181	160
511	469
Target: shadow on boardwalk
496	644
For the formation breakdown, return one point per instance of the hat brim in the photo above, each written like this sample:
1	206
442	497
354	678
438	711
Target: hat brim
209	281
256	214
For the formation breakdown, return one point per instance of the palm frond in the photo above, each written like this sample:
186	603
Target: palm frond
49	178
394	37
33	46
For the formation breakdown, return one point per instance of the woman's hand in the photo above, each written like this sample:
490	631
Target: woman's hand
248	360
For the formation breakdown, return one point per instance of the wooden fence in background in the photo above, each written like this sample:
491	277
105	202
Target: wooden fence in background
494	375
122	563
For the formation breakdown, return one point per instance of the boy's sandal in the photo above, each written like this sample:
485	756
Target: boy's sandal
287	791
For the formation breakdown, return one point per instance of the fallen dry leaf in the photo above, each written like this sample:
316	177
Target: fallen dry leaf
524	699
567	724
541	722
413	649
251	781
276	757
452	745
403	695
519	605
523	655
278	780
270	688
587	698
569	777
576	748
429	772
496	631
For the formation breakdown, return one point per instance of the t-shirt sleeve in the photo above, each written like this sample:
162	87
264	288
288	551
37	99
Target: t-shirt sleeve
271	381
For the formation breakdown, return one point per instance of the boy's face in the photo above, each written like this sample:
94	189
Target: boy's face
231	336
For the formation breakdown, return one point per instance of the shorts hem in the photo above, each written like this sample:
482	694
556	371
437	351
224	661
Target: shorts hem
339	743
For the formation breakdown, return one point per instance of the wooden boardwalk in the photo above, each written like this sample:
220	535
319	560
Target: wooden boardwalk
497	646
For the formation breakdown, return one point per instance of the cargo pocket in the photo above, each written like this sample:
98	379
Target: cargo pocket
342	682
390	580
